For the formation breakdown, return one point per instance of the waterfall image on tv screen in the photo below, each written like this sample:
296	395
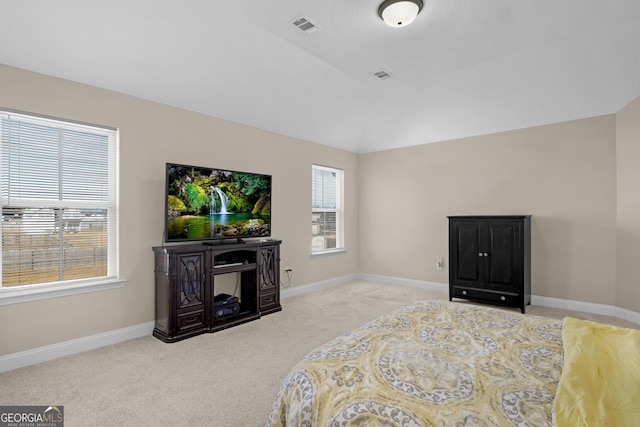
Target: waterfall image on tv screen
206	203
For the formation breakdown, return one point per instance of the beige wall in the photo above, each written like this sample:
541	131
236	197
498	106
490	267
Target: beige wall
562	174
150	135
628	243
397	202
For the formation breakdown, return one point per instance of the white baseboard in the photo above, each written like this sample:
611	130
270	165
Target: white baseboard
312	287
50	352
67	348
631	316
54	351
432	286
587	307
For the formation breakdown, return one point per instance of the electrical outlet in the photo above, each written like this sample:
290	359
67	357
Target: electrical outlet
287	277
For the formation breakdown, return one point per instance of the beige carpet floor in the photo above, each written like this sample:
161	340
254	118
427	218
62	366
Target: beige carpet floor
226	379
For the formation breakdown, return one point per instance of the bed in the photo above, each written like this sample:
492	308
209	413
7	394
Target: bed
434	363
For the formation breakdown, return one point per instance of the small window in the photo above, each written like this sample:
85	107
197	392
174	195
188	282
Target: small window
326	209
58	192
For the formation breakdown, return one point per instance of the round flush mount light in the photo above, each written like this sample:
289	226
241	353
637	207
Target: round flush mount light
399	13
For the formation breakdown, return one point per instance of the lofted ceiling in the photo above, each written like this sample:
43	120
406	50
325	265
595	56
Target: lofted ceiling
462	68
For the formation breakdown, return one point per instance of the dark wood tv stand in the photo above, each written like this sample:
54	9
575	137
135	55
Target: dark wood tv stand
185	285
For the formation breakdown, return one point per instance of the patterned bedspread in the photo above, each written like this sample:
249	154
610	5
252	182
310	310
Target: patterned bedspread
432	363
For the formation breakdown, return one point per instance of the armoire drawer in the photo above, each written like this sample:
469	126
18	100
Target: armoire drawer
510	298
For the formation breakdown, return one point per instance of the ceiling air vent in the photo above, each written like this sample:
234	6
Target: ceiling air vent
382	74
304	24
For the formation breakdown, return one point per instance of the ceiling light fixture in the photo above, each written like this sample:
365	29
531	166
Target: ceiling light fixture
399	13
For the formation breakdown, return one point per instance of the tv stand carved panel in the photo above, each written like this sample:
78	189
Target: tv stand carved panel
269	279
191	279
185	285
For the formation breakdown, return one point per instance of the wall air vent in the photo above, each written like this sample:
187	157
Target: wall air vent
382	74
304	24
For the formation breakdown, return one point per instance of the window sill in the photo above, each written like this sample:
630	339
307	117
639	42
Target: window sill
26	293
329	252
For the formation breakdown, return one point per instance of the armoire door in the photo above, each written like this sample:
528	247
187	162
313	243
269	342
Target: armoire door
502	260
465	262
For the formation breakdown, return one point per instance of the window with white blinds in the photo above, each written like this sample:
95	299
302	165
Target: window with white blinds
326	209
58	194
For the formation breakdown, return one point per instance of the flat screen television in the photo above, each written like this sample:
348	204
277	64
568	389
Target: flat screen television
216	204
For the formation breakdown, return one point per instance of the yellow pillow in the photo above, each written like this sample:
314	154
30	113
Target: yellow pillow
600	381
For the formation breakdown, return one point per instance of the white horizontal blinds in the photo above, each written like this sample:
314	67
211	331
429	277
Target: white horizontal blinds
325	208
58	200
85	171
324	188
